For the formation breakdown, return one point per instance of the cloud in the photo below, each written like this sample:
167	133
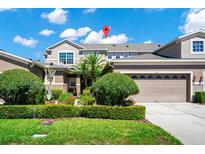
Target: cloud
194	20
73	34
46	32
148	42
98	37
89	11
154	9
58	16
25	42
6	9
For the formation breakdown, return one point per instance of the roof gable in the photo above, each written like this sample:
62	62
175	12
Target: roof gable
14	57
68	42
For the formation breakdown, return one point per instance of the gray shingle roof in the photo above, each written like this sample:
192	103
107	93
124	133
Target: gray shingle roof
146	56
124	47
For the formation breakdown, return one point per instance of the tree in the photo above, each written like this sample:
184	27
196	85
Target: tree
96	65
82	69
92	67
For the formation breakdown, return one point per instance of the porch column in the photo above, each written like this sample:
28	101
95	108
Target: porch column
78	88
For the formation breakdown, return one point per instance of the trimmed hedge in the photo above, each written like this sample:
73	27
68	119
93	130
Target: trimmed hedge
109	112
57	111
64	111
16	112
200	97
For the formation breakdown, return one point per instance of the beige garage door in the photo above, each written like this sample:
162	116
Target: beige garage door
161	88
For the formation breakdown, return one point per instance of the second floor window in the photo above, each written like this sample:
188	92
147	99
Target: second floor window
198	46
66	58
118	56
109	56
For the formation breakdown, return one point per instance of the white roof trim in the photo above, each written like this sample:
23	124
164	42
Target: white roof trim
14	56
94	49
156	60
193	32
64	41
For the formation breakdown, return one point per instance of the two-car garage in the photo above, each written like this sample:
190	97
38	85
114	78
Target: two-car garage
162	87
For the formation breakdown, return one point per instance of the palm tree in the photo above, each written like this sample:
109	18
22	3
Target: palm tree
96	64
90	67
82	69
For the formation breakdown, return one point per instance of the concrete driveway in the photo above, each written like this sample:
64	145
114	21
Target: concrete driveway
185	121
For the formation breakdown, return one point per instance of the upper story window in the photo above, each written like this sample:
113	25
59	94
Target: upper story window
198	46
66	58
109	56
117	56
126	55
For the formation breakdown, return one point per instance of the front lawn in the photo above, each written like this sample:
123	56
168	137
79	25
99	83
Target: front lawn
83	131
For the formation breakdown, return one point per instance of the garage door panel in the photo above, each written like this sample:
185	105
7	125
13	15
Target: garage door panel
160	90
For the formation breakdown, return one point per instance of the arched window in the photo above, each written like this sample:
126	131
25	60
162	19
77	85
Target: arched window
134	77
166	77
142	77
158	77
183	77
174	77
150	77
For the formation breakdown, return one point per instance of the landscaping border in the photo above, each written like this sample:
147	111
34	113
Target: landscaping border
65	111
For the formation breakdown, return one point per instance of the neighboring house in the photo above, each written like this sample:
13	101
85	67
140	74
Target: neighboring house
172	72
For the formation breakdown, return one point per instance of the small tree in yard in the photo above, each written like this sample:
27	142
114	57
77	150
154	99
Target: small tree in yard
92	67
21	87
113	88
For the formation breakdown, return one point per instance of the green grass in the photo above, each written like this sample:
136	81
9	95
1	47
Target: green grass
83	131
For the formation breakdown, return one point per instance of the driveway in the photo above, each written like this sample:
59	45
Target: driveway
185	121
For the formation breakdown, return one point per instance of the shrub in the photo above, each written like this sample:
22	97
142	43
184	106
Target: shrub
64	96
70	100
110	112
65	111
87	91
87	100
57	111
21	87
113	88
200	97
15	112
56	93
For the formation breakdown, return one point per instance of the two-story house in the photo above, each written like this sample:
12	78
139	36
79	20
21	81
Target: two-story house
164	73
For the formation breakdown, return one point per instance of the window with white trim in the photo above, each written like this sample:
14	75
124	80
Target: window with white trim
66	58
198	46
109	56
118	56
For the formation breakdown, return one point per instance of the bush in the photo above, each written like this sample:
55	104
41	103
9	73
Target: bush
65	111
87	100
70	100
57	111
113	88
110	112
56	93
200	97
21	87
16	112
87	91
64	96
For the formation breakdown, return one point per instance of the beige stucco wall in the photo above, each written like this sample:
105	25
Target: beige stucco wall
7	64
172	50
186	49
53	57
